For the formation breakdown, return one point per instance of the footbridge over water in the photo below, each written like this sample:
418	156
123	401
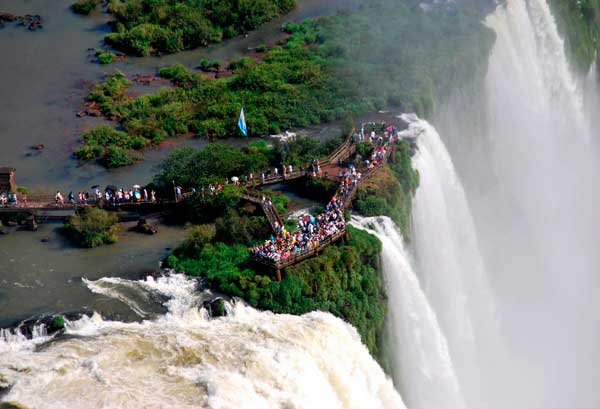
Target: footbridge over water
46	209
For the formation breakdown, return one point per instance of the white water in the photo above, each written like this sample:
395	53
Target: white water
536	204
449	262
249	359
423	366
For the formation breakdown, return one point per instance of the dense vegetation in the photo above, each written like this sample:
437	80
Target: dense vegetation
217	162
579	21
326	69
390	192
84	6
343	280
92	227
146	27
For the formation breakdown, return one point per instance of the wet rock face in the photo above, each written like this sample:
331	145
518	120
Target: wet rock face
145	228
215	308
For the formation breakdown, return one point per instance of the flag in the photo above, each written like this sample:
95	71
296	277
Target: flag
242	122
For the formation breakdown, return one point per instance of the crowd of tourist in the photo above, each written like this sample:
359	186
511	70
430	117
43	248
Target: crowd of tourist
310	233
9	199
112	195
311	230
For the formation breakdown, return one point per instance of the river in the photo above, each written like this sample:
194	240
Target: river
44	78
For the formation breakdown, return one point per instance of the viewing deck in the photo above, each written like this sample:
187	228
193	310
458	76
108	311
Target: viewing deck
277	264
46	209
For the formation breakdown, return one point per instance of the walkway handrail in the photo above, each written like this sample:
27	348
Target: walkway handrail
297	257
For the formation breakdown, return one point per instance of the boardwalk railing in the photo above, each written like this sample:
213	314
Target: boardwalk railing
297	257
342	194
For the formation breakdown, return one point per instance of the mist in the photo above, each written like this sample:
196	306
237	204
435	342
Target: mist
524	145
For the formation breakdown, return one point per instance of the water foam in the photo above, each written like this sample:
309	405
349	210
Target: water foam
249	359
422	361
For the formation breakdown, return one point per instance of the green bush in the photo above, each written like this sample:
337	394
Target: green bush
390	191
105	57
197	238
117	156
343	280
57	323
84	6
147	27
579	21
92	227
364	149
327	70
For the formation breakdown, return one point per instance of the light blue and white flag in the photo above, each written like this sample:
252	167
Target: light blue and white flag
242	122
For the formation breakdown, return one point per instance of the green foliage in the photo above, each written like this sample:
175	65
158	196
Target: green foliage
233	228
329	69
580	23
303	150
242	63
390	191
117	156
197	238
111	146
84	6
209	65
364	149
146	27
280	201
57	323
343	280
110	92
22	190
92	227
105	57
216	163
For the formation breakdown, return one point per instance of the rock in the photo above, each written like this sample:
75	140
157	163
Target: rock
145	79
144	227
216	308
8	17
38	147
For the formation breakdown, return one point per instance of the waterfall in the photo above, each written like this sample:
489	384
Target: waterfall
449	262
183	359
422	362
535	205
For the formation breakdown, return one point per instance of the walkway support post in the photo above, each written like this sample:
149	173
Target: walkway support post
278	274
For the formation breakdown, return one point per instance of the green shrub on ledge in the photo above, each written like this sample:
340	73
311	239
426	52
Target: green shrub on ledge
84	6
92	227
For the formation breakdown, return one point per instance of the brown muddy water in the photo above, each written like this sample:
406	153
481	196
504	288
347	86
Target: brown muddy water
44	78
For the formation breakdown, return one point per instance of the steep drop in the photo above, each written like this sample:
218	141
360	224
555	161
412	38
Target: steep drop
423	367
249	359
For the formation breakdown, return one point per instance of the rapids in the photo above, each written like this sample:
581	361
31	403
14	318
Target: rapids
183	359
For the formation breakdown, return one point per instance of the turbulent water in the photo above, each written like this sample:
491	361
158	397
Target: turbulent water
422	363
449	262
535	202
249	359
